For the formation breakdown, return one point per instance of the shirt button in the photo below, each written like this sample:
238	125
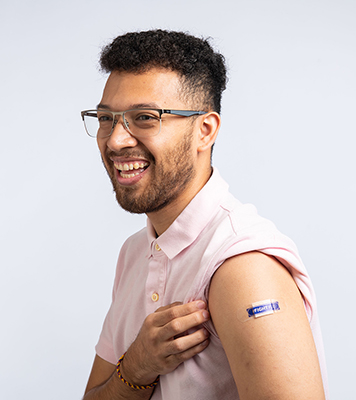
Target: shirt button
155	297
157	247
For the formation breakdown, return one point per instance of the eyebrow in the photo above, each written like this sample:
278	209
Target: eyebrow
103	106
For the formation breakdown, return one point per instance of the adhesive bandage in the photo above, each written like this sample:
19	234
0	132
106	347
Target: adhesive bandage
261	309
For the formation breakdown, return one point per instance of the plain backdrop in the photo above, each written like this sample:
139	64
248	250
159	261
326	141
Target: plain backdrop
287	145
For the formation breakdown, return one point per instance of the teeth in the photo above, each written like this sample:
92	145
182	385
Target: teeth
130	167
129	175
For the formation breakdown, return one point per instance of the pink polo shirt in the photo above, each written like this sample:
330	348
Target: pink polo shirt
178	266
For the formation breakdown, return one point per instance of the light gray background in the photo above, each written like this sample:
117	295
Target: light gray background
286	144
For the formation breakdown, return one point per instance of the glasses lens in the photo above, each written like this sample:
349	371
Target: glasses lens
143	122
91	123
138	122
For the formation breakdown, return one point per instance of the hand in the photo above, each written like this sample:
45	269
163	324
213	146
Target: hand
163	342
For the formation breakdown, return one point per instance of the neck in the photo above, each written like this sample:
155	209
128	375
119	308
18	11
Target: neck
163	219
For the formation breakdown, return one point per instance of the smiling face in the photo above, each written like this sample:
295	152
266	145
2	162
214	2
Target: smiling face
150	173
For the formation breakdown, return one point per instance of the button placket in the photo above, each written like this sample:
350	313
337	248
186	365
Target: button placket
156	279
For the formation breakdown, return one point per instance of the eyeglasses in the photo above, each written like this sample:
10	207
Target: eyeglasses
140	122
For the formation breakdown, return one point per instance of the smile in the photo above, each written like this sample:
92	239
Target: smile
126	168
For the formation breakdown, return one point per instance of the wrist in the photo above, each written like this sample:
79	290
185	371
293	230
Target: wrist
132	378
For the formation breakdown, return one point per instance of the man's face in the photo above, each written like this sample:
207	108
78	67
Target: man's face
148	173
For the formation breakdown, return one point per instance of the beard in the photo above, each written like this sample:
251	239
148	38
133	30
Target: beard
168	179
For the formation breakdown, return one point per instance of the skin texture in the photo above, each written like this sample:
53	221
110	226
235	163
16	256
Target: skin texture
166	181
179	157
273	357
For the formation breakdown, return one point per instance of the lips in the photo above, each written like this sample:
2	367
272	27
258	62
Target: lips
127	170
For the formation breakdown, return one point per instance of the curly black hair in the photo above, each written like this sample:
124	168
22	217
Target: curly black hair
202	70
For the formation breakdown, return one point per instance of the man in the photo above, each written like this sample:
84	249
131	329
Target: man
210	301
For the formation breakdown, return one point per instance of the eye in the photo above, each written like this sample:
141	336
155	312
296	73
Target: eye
142	119
146	117
103	118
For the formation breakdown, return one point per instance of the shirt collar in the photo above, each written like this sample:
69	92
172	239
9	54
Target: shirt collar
193	219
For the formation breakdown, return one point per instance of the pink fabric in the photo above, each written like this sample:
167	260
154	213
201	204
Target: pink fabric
212	228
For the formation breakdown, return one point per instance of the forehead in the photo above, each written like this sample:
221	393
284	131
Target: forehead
157	88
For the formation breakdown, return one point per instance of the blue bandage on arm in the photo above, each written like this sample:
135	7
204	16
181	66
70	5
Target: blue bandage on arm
261	309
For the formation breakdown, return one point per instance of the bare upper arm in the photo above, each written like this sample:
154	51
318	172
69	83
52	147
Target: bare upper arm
100	373
272	357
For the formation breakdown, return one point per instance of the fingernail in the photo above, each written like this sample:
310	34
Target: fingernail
205	314
201	304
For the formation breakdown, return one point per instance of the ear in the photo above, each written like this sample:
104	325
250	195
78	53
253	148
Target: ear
209	128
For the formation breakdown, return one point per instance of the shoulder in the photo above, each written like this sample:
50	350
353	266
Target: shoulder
252	277
135	242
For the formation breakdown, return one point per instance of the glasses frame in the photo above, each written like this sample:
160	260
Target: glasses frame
182	113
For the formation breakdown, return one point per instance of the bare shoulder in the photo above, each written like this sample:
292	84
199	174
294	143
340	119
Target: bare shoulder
101	371
255	274
277	350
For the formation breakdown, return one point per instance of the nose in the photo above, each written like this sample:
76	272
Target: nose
120	137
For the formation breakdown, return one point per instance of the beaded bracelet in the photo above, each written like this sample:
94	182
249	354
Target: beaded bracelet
130	384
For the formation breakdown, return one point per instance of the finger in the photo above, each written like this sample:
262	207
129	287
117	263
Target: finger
180	325
175	359
171	313
184	343
167	307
